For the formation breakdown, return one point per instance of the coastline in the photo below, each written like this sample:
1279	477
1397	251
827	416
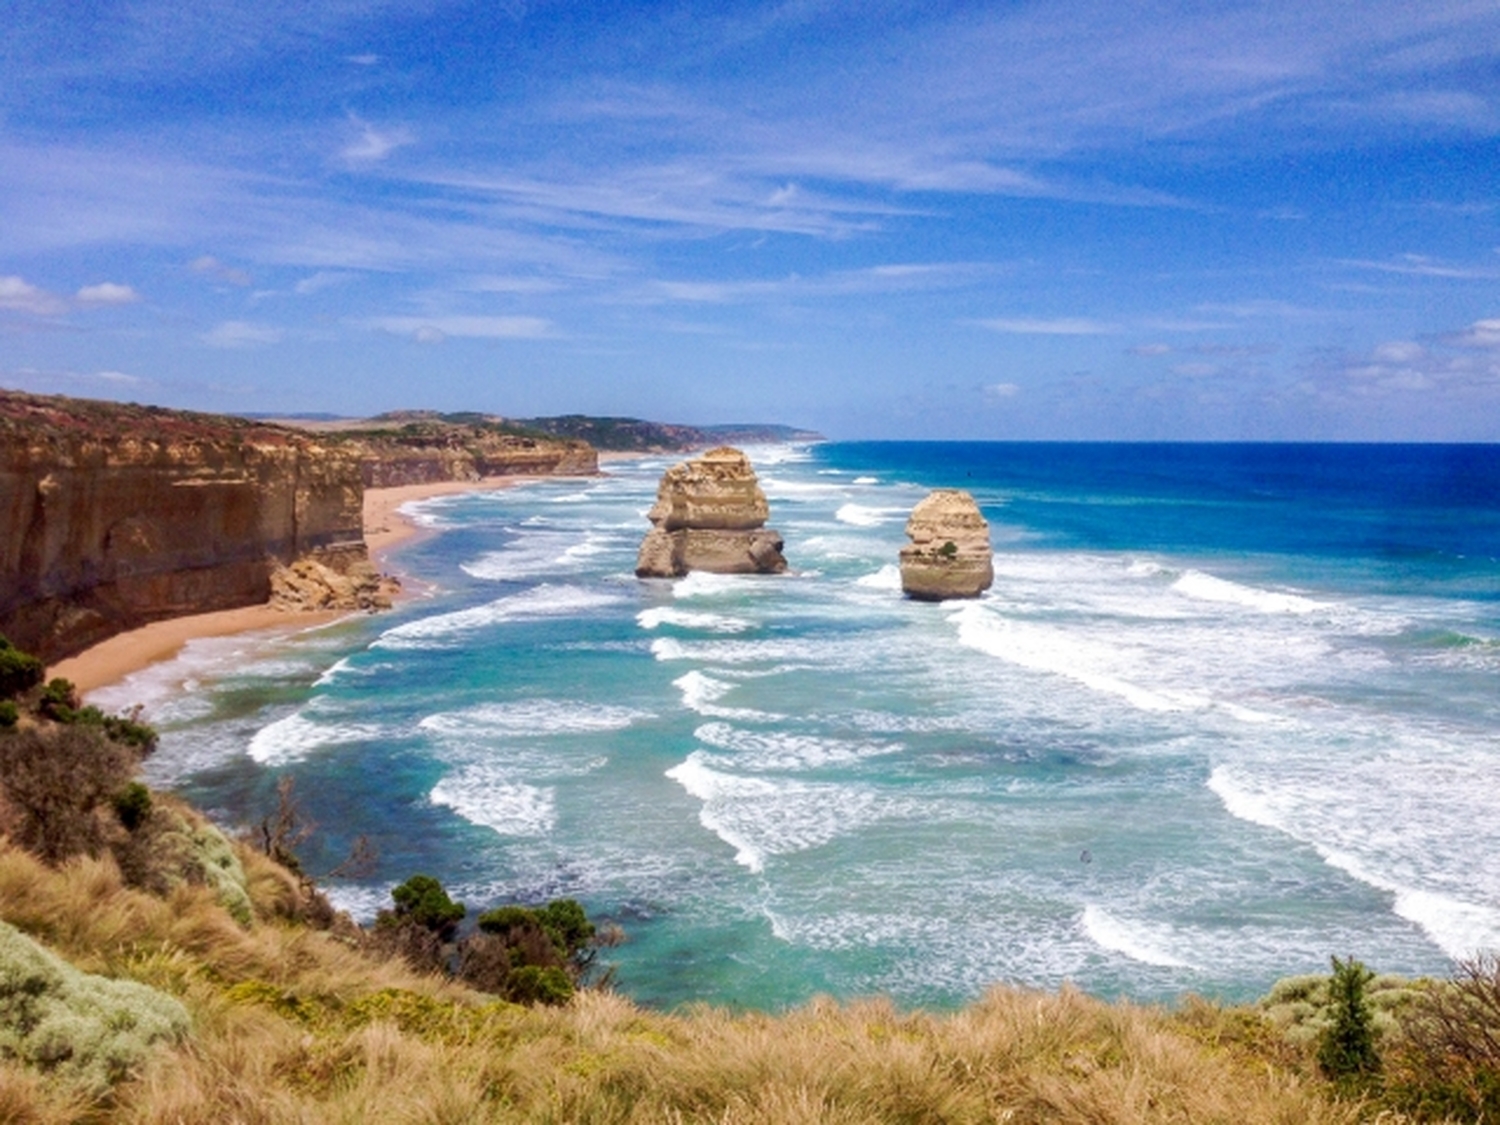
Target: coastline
385	528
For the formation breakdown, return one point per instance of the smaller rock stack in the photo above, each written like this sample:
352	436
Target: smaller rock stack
949	555
710	515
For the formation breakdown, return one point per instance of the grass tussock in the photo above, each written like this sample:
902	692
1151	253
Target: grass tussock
290	1024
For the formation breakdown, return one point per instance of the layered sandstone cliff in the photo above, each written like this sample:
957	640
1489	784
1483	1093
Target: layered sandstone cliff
710	514
112	516
949	555
422	447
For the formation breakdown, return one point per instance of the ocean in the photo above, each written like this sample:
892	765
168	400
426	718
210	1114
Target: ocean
1227	710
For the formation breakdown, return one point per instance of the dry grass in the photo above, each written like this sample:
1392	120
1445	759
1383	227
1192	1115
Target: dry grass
292	1025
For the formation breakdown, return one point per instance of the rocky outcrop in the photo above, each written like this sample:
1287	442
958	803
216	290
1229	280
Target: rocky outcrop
949	555
112	516
710	514
332	580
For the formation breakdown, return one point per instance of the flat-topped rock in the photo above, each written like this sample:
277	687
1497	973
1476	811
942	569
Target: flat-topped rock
709	515
949	555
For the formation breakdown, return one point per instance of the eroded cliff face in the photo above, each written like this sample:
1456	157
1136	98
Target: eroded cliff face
949	555
428	452
112	516
709	515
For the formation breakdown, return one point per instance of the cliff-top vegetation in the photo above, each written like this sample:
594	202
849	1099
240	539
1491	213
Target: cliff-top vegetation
154	970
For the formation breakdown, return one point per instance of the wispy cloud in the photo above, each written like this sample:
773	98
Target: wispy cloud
1419	265
107	293
241	334
209	266
435	329
1044	326
371	144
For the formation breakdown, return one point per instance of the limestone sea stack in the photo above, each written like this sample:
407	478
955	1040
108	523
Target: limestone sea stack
710	514
949	555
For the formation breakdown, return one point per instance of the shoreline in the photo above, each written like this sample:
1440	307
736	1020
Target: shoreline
385	528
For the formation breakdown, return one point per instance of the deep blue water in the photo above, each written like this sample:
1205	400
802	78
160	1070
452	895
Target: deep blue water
1228	709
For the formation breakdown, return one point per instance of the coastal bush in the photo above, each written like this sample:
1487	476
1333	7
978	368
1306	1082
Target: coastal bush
19	671
56	780
87	1030
132	805
59	701
422	901
1346	1047
1445	1063
10	714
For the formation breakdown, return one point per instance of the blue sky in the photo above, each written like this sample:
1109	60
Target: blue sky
881	219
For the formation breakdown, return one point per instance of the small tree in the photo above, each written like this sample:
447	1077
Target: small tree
1346	1049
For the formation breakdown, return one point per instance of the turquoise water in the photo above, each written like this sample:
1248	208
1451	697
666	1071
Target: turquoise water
1227	710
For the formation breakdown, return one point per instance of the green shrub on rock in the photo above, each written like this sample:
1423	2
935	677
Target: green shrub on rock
10	715
19	671
87	1030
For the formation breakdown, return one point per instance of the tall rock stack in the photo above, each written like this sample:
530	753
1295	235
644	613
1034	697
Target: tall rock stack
710	514
949	555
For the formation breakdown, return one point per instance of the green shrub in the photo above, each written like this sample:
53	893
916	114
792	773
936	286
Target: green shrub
87	1030
133	805
533	984
60	701
10	715
423	901
1346	1048
19	671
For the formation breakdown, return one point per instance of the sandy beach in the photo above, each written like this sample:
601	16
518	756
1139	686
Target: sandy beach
384	528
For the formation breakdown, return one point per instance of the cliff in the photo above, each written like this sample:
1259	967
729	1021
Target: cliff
112	516
949	555
421	447
709	515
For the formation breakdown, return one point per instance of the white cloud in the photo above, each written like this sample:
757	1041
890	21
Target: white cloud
1419	265
434	329
1150	349
118	377
108	293
1196	370
1002	390
1480	334
362	60
373	144
241	334
19	295
1056	326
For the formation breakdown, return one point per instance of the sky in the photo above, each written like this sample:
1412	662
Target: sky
1011	220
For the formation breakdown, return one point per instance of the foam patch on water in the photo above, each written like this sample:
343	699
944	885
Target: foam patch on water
299	734
860	515
1060	653
760	818
787	753
700	692
1148	944
687	619
444	629
702	584
1205	587
887	577
866	480
537	555
533	717
489	795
